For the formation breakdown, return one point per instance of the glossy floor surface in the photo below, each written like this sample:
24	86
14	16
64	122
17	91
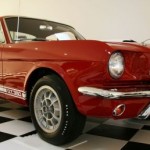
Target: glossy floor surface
18	133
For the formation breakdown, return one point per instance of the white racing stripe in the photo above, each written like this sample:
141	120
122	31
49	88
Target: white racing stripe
13	92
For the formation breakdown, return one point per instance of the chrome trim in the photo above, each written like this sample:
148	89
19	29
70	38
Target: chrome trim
114	111
7	31
145	113
110	94
3	34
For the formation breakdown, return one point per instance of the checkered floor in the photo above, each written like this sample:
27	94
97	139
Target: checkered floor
17	132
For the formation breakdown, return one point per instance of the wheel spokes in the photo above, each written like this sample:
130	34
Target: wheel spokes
48	109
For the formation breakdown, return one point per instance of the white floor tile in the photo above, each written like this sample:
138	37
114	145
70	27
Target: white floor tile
14	114
34	141
90	142
28	143
11	105
13	145
16	127
84	142
142	136
124	123
140	121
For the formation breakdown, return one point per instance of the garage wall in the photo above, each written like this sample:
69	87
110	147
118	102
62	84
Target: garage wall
94	19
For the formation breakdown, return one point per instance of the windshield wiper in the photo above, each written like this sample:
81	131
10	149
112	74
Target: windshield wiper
35	39
39	39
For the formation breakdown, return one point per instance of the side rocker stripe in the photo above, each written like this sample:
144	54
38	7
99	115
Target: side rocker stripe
13	92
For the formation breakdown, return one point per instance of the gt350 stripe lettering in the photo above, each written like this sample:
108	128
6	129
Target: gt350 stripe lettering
13	92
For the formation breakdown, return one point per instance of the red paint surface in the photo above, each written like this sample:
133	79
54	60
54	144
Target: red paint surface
79	63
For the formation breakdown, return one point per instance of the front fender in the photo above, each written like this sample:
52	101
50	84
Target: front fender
57	69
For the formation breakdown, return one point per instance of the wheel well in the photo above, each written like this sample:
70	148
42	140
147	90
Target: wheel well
33	78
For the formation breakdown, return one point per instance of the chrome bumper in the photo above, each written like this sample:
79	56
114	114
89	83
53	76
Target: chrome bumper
110	94
145	113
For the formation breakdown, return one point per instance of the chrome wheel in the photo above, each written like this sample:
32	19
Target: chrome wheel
47	109
53	111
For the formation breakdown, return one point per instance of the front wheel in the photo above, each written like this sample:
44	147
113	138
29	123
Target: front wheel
53	111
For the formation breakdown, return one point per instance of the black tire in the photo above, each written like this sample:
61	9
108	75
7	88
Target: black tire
53	126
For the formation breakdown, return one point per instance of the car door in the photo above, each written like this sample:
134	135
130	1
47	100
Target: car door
15	69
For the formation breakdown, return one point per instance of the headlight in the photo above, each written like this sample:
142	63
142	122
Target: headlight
116	65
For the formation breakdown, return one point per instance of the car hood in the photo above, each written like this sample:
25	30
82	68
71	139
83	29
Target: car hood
59	50
68	50
128	46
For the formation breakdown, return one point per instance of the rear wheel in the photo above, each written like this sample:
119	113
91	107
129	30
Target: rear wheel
53	111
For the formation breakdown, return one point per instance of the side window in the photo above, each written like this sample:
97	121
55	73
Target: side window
2	38
21	36
61	36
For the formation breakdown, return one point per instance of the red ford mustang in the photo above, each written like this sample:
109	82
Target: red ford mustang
63	78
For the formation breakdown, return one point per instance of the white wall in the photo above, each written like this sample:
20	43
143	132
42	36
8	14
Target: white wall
95	19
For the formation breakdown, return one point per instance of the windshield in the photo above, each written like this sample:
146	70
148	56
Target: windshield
40	30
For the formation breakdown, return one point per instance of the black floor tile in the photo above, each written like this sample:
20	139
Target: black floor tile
4	109
5	136
24	108
136	146
27	134
3	101
145	127
27	119
105	130
3	119
116	132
